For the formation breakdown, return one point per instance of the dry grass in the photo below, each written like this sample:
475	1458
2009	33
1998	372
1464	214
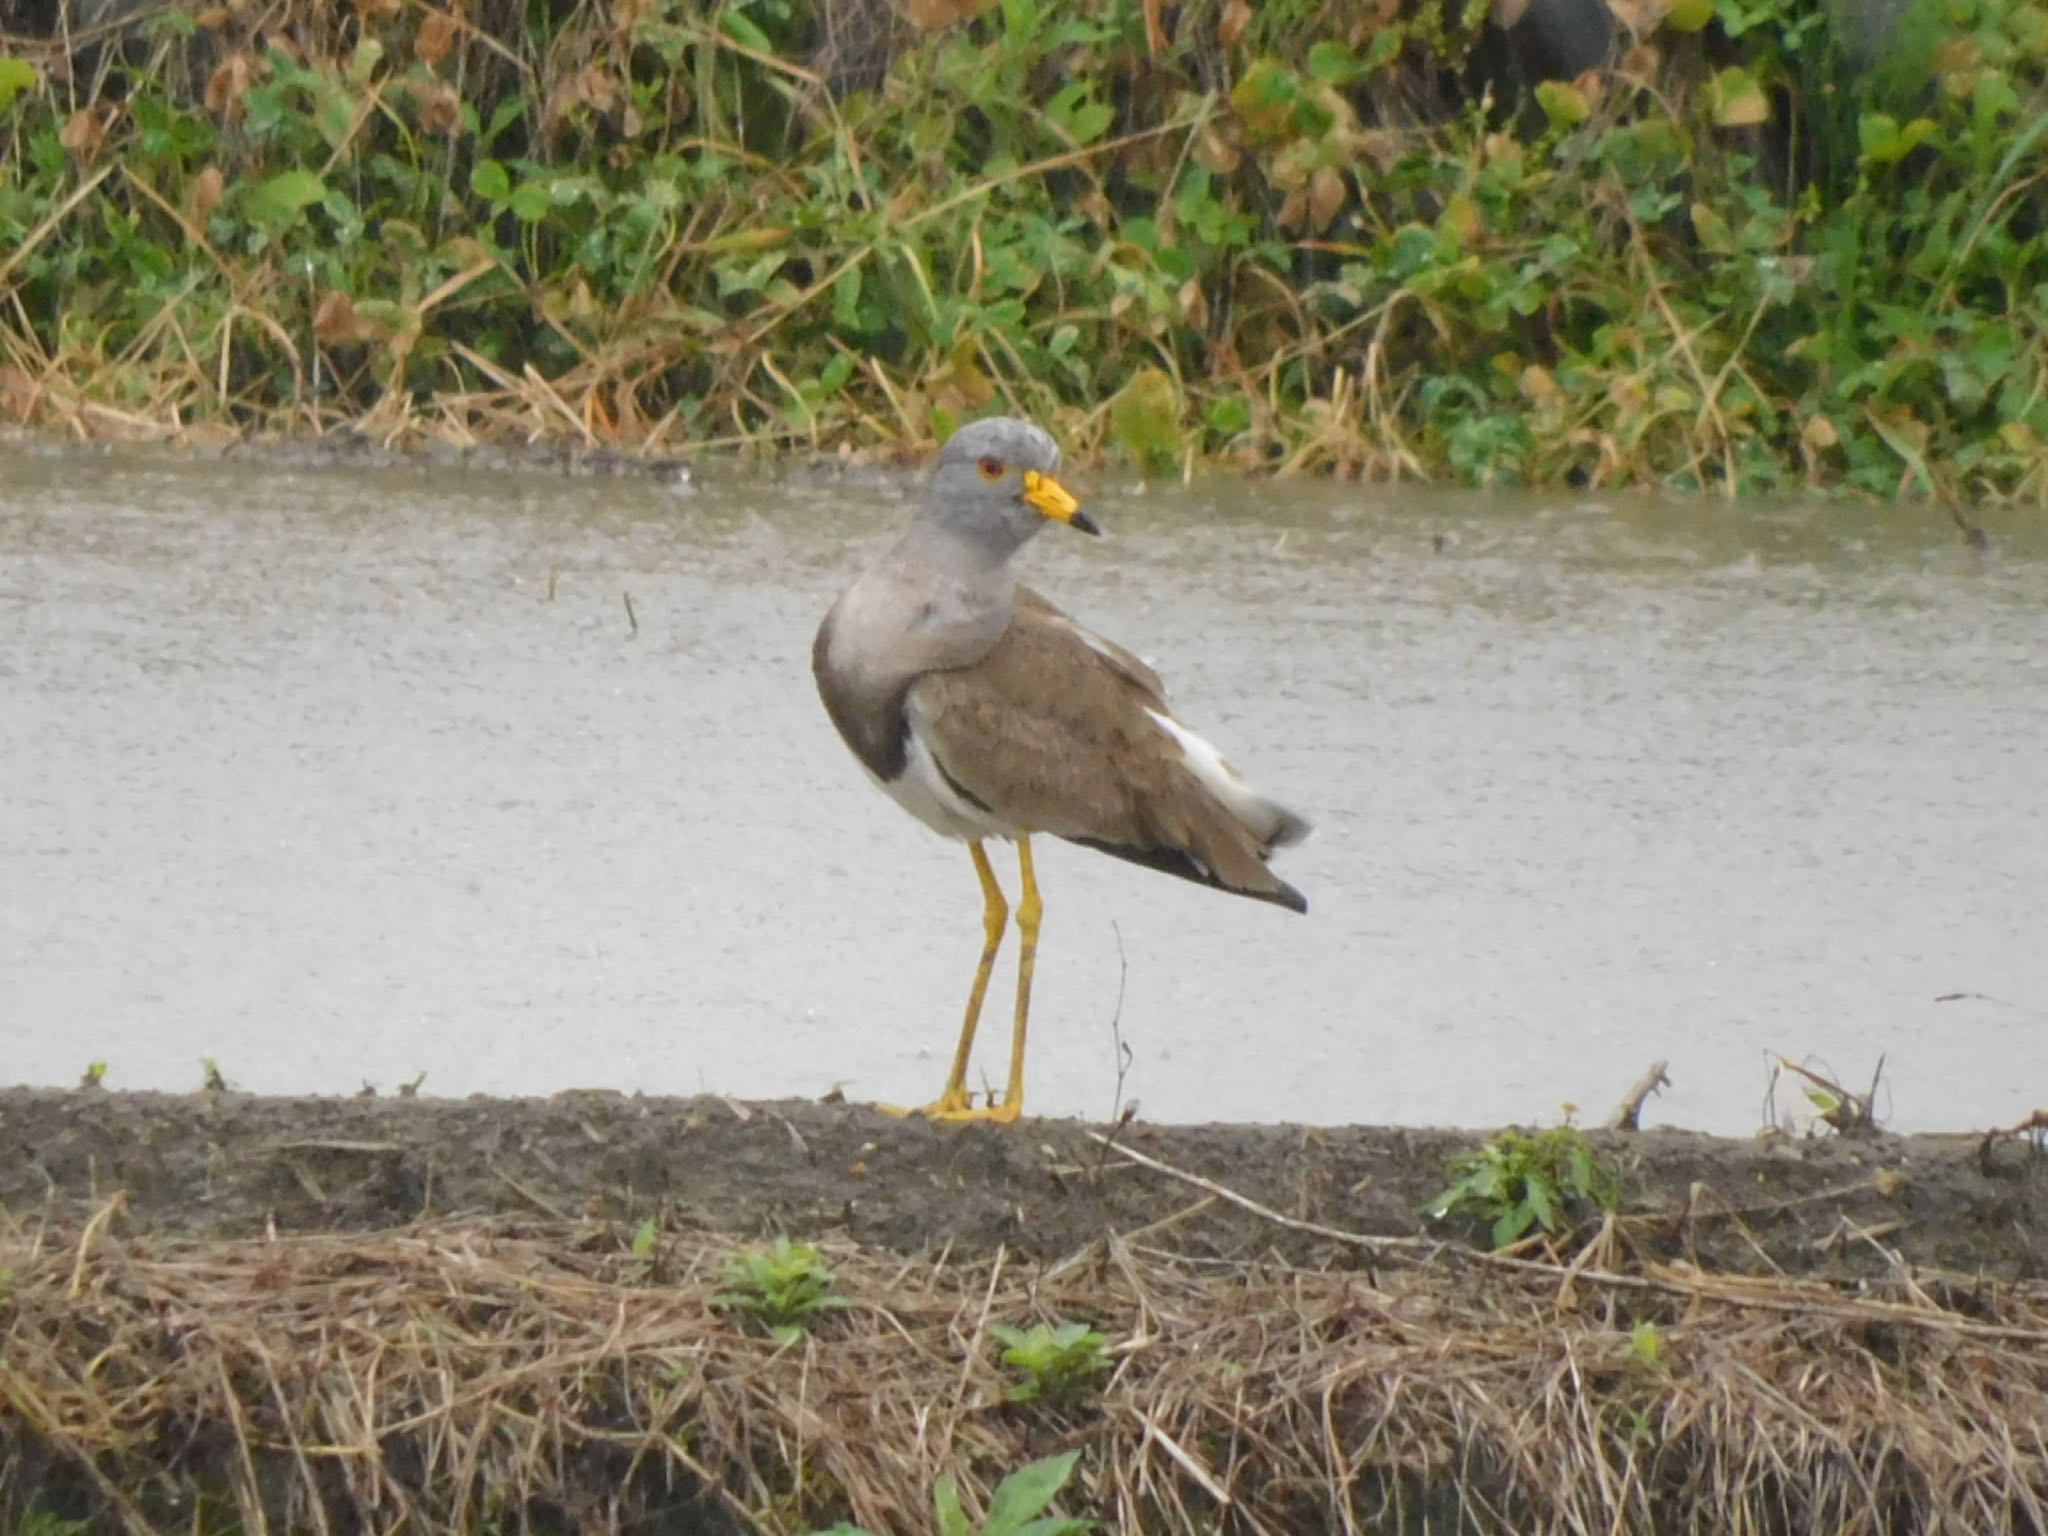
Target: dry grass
439	1377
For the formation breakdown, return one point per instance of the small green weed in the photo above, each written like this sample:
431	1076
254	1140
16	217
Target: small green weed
644	1250
782	1286
1015	1509
1518	1180
1646	1345
40	1522
1053	1364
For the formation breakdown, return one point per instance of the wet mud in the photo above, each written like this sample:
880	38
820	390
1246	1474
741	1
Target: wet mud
227	1164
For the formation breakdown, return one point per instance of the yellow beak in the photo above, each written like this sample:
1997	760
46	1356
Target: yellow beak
1056	501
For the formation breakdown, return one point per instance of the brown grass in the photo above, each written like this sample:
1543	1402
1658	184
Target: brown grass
441	1376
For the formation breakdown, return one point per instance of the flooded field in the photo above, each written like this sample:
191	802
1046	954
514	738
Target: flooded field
334	776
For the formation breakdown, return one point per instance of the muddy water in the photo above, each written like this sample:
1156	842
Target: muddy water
338	776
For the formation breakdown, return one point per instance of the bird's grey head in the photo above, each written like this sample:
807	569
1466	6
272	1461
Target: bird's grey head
994	485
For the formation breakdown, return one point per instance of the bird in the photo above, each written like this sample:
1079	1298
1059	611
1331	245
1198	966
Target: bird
987	713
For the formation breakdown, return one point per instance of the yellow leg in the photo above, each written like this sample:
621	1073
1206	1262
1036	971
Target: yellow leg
1029	909
954	1102
995	913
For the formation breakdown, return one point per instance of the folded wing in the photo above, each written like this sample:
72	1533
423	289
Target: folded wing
1058	730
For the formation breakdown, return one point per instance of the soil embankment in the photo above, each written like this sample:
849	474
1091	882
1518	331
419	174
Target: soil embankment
229	1164
221	1312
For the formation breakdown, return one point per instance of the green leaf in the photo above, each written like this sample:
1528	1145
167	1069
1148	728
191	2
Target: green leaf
752	278
743	30
846	300
1884	142
831	378
1540	1203
335	115
1229	416
1265	98
280	199
643	1240
507	113
1333	64
1565	105
1876	132
1025	1492
530	201
491	181
1384	48
1689	15
1082	118
1512	1224
1140	231
952	1517
1643	151
1991	98
1077	34
1712	230
16	76
1584	1181
1413	247
1736	100
1020	20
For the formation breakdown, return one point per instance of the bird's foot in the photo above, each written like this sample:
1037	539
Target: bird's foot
1006	1113
956	1107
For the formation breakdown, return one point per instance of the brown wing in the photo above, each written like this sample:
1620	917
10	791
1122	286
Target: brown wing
1053	731
1134	671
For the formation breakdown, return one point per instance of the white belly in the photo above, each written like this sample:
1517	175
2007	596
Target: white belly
922	790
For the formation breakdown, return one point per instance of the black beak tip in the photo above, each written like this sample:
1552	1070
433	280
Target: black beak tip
1085	523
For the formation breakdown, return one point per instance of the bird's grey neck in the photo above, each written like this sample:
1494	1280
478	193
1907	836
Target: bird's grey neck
966	554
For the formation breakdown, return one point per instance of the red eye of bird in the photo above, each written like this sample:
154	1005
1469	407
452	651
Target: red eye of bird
991	469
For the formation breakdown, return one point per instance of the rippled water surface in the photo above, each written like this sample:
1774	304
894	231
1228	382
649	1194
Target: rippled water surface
340	775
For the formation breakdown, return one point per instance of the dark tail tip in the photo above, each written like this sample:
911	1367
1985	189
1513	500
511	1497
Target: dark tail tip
1287	896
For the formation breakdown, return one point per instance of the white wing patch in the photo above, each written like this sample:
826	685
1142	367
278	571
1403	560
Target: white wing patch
1268	822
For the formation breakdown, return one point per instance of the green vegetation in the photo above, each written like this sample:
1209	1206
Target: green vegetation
644	1250
1646	1344
1747	257
1052	1364
40	1522
783	1286
1518	1180
1016	1508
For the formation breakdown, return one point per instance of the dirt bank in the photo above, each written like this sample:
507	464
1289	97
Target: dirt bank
228	1164
220	1312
